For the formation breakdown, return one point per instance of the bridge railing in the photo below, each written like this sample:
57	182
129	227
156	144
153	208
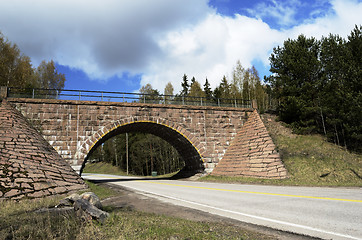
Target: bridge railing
86	95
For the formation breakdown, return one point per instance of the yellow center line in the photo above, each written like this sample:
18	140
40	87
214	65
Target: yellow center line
251	192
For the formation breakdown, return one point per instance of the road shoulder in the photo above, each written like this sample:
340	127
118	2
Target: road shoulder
129	199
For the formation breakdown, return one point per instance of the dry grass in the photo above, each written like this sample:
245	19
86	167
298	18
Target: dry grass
18	220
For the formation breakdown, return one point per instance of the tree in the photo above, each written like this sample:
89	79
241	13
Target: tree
207	90
149	95
261	97
48	77
185	86
222	92
168	92
15	68
318	86
296	69
16	71
196	91
193	80
168	89
236	87
340	87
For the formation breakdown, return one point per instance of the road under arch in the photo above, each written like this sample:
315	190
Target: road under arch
180	141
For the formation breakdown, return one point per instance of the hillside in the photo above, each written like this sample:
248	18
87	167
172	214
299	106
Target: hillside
310	160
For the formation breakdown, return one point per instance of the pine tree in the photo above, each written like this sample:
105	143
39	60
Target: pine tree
207	90
185	86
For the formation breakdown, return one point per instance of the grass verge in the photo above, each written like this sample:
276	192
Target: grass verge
103	167
107	168
310	161
18	220
101	191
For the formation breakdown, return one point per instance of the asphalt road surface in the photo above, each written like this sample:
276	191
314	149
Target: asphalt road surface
327	213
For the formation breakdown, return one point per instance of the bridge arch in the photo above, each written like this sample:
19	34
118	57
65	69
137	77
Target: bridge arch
189	148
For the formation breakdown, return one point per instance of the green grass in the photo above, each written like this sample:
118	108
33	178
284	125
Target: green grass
103	167
310	161
19	221
125	224
107	168
100	191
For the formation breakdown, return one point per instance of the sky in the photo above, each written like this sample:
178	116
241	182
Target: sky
121	45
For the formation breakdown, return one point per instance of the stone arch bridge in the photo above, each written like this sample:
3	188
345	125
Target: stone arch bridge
201	134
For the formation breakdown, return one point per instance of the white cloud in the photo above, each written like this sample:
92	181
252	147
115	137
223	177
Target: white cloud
283	11
211	48
159	39
103	38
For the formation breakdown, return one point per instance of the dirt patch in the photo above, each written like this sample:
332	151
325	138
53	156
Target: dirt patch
276	127
130	200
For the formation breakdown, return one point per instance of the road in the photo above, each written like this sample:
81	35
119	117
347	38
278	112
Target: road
327	213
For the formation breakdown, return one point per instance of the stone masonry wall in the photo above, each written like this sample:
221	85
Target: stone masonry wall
72	127
29	166
252	153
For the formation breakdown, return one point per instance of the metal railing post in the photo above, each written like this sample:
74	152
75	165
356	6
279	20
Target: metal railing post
218	102
102	96
79	95
183	100
33	93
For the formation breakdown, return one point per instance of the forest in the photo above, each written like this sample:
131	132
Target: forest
315	87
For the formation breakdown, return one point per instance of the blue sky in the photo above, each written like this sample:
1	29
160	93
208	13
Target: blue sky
120	45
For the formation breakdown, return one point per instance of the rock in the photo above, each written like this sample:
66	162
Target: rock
87	206
56	211
87	211
68	201
92	198
73	197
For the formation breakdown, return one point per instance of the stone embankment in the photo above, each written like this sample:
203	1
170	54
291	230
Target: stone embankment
29	166
252	153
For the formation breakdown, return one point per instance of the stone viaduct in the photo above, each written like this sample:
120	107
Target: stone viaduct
75	128
201	134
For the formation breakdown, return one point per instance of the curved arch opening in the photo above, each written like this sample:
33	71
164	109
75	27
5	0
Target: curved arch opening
186	149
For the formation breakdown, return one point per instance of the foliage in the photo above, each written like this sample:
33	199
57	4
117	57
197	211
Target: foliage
318	86
149	95
207	90
147	153
16	70
185	86
168	89
195	91
48	77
